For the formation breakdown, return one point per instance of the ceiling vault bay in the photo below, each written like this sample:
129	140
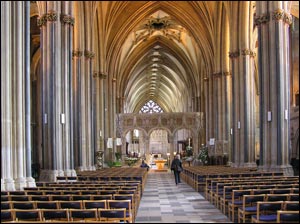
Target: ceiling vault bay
173	75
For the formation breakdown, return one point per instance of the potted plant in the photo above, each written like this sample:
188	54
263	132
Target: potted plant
118	156
203	155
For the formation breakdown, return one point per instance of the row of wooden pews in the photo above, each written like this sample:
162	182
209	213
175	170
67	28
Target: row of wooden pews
248	196
74	200
196	176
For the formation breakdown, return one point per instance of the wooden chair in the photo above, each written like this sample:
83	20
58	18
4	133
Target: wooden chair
287	216
102	197
89	192
249	207
105	192
7	215
83	214
227	196
61	198
130	197
113	204
71	192
282	191
17	193
88	204
47	205
23	205
70	204
5	198
266	211
5	205
19	198
236	202
133	192
34	192
40	198
277	197
294	197
291	205
112	215
60	215
217	192
27	215
82	197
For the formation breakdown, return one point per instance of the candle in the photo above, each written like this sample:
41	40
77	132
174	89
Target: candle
100	133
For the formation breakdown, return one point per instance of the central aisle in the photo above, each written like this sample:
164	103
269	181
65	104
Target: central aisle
164	202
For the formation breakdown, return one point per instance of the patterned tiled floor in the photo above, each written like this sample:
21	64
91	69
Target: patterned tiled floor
165	202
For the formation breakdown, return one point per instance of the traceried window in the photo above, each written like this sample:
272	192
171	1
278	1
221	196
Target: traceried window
151	107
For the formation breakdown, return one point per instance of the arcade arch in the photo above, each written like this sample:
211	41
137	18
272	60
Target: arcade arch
167	126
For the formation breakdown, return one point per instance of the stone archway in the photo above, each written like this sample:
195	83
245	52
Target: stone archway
171	122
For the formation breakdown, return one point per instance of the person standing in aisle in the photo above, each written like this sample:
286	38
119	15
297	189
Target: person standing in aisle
176	167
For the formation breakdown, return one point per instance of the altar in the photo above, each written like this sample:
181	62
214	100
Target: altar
160	163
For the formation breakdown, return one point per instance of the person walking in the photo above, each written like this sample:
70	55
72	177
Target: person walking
176	167
144	165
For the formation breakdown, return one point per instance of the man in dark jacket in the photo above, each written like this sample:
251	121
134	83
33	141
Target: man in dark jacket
176	166
144	165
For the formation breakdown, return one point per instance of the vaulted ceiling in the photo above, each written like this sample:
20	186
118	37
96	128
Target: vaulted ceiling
162	56
162	53
155	50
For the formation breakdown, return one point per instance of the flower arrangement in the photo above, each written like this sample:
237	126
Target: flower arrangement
203	155
189	151
131	160
118	156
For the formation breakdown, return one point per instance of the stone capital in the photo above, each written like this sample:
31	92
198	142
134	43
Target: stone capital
89	54
77	53
263	19
288	19
278	14
249	52
96	74
234	54
220	74
102	75
217	75
67	20
51	16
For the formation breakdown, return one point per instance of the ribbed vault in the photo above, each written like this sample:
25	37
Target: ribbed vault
156	54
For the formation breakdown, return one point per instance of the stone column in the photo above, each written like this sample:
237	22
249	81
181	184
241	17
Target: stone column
210	110
29	179
76	107
243	85
106	116
225	114
235	118
273	20
7	15
220	111
113	117
56	24
99	107
102	107
89	146
207	109
67	22
96	111
18	98
243	109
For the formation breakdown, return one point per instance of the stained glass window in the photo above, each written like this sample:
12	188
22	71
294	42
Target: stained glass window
151	107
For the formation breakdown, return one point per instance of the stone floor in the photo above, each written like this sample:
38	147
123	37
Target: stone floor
165	202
